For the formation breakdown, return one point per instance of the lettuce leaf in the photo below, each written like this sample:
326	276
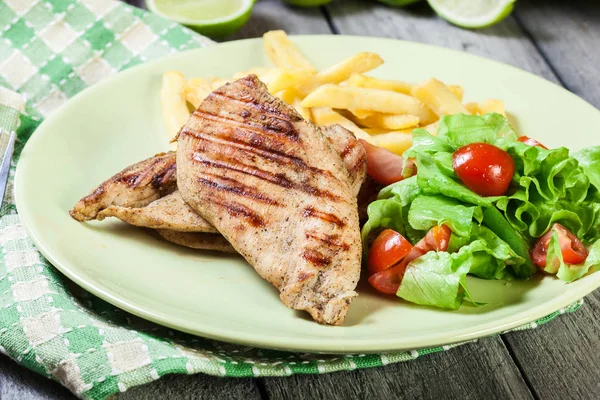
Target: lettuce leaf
428	211
570	272
589	159
438	278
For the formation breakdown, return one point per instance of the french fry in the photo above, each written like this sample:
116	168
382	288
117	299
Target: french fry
458	91
360	62
287	95
326	116
290	96
492	105
431	128
305	112
360	114
172	98
360	80
438	97
196	90
378	131
278	79
473	108
396	142
390	121
282	52
383	101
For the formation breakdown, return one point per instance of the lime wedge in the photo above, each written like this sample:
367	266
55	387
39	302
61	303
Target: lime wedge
306	3
472	13
215	18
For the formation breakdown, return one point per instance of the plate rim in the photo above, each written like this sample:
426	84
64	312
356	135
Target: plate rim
332	345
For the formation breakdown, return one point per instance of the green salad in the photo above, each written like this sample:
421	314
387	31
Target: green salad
546	218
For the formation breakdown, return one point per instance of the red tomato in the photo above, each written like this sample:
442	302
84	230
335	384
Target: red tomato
437	239
383	166
389	248
531	142
388	281
573	251
485	169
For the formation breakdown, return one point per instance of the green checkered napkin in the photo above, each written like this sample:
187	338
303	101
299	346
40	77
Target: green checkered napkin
50	50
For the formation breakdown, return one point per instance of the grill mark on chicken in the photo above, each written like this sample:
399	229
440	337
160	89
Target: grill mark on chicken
304	276
311	212
270	123
329	240
277	179
316	258
236	187
348	149
239	210
252	101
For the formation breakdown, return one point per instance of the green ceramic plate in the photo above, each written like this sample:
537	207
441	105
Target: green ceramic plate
119	122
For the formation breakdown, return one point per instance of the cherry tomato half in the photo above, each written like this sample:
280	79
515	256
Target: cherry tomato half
531	142
573	251
388	281
383	166
389	248
485	169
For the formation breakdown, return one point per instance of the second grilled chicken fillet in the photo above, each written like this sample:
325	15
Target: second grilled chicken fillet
169	212
136	186
273	185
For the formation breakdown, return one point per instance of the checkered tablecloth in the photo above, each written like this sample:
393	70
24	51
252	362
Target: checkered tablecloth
49	51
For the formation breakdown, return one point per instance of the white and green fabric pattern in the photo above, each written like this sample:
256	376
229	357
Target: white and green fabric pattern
49	51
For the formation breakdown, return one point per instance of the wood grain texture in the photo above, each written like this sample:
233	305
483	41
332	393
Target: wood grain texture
481	370
503	42
273	14
194	387
568	35
19	383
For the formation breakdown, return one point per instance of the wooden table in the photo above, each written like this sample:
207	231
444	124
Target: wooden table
556	39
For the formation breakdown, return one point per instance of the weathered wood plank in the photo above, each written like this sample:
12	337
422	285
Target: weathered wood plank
194	387
503	42
568	34
19	383
560	359
561	356
481	370
273	14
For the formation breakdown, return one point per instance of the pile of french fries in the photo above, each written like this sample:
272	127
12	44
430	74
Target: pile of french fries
382	112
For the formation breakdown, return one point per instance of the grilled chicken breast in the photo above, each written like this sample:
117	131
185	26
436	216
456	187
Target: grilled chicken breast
169	212
275	188
136	186
130	204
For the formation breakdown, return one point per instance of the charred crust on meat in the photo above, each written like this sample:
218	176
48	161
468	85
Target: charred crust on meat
238	210
311	212
236	187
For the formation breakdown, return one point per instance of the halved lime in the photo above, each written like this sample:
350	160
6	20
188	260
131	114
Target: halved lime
306	3
472	13
215	18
